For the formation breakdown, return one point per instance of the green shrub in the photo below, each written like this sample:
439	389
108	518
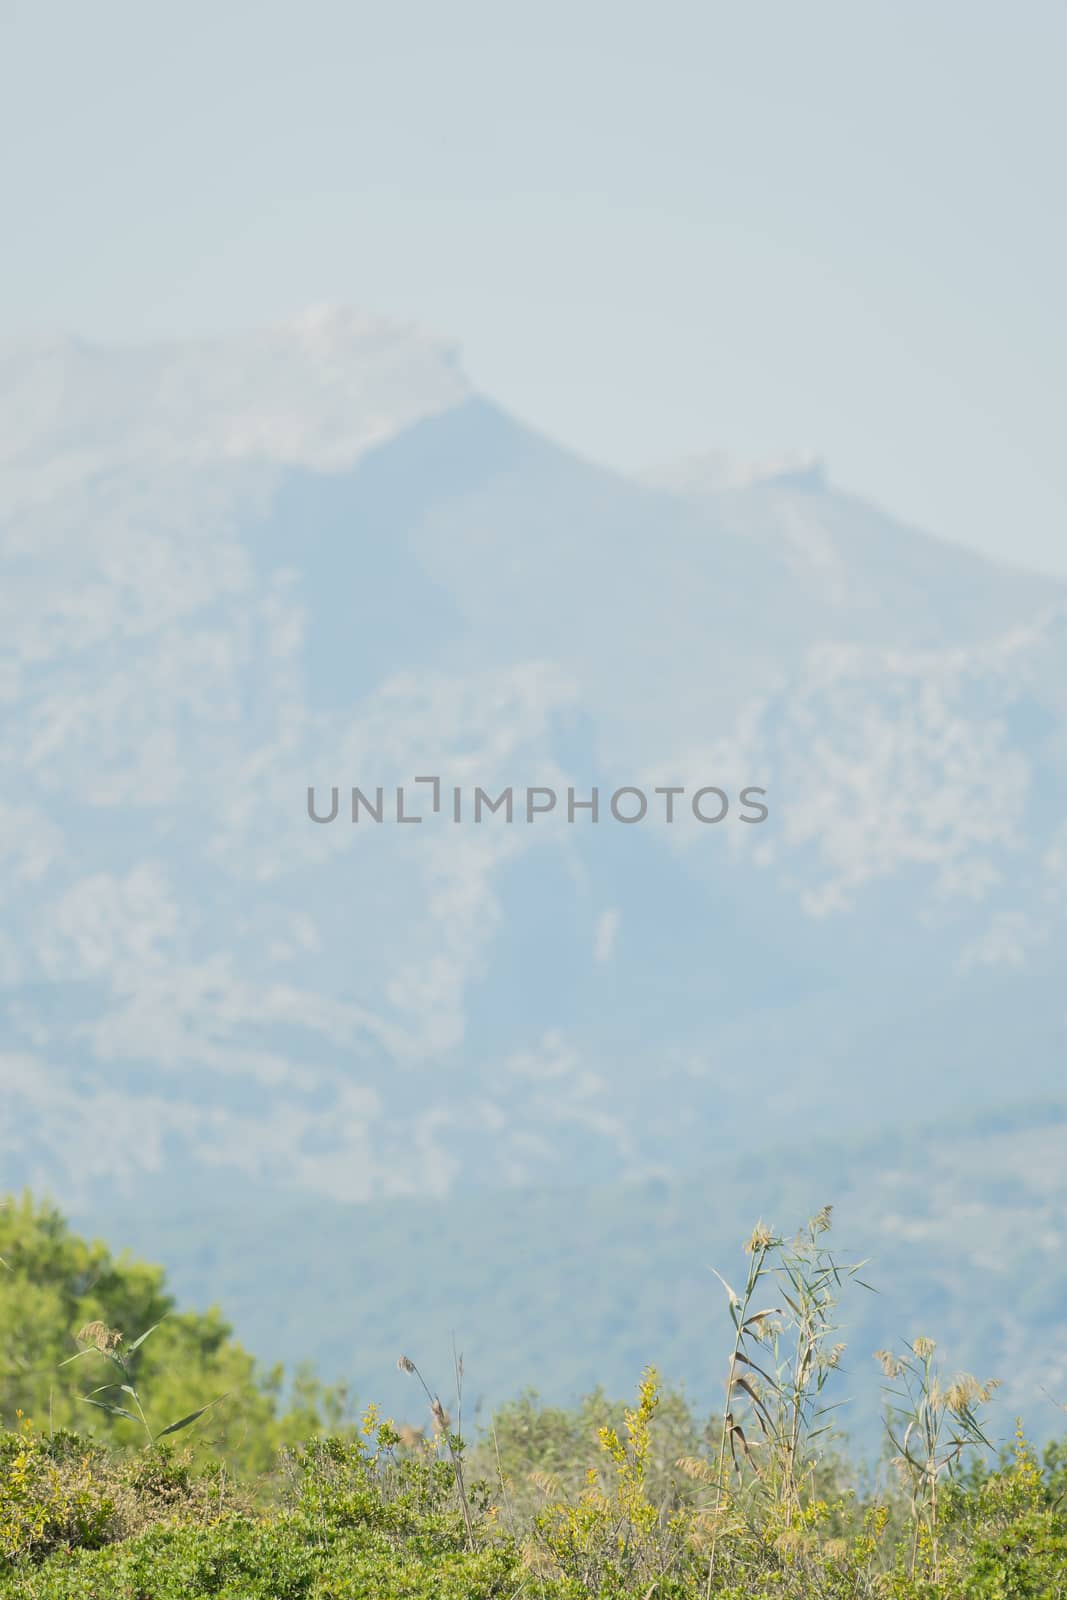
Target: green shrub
605	1502
54	1284
54	1494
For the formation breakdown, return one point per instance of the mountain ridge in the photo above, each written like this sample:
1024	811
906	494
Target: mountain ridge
198	983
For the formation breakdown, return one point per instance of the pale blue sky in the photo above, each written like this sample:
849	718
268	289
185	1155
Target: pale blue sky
655	229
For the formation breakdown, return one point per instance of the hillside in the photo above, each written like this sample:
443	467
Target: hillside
350	569
568	1289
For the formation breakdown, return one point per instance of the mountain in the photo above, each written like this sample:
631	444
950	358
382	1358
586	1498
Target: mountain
314	557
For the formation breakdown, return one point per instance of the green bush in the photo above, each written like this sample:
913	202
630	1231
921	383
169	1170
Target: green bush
605	1502
54	1494
53	1284
365	1515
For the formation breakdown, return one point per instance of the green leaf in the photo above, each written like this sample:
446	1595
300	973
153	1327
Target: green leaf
761	1316
183	1422
138	1342
740	1356
91	1350
113	1411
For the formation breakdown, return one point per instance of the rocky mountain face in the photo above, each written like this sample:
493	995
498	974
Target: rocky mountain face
314	558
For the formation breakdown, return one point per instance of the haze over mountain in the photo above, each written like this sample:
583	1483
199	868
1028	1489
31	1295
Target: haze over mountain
313	556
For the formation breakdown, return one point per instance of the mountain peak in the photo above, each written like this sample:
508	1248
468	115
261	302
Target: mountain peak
718	472
318	391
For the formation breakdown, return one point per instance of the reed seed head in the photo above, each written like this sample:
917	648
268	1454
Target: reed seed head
98	1336
441	1419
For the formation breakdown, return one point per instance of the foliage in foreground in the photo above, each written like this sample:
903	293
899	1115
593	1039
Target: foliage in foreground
55	1286
619	1503
365	1515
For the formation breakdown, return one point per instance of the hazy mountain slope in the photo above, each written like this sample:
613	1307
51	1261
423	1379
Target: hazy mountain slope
343	568
965	1228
